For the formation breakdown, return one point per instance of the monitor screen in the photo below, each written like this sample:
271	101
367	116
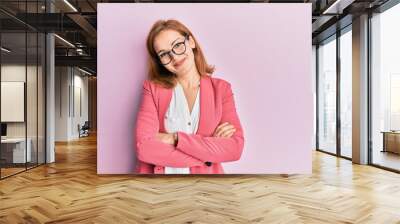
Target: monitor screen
3	129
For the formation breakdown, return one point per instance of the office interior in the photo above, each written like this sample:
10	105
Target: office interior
48	83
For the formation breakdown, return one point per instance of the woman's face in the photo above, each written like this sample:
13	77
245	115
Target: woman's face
180	62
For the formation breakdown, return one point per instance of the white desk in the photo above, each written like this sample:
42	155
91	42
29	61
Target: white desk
19	149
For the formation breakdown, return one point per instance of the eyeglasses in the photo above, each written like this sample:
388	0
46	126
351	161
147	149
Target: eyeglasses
178	49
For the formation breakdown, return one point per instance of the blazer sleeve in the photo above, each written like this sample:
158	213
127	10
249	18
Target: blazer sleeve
148	148
216	149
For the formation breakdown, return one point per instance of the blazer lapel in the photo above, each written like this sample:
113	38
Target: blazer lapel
206	104
164	100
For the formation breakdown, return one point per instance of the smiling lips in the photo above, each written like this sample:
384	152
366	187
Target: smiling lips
179	63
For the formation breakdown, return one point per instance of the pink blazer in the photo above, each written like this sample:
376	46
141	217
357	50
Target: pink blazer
193	150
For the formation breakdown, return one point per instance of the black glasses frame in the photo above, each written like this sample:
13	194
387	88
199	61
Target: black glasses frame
173	51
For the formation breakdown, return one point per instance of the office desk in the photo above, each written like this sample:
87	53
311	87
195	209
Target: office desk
391	141
13	150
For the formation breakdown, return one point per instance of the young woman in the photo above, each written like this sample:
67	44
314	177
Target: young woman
187	121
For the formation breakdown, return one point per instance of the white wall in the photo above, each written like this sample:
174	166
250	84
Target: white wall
33	127
79	111
70	83
62	81
17	73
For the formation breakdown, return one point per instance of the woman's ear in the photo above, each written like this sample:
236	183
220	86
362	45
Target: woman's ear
192	44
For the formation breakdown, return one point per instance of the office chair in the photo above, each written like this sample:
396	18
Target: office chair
84	130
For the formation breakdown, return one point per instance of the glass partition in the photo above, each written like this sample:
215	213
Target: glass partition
13	95
22	89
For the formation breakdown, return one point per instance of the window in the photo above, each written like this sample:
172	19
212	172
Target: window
327	95
346	92
385	88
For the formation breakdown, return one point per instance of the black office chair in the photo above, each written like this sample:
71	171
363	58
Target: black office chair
84	130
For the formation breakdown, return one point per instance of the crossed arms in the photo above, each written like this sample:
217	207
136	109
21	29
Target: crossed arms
191	149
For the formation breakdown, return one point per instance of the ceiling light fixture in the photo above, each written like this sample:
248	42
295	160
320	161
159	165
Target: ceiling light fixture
5	50
70	5
337	7
84	71
64	40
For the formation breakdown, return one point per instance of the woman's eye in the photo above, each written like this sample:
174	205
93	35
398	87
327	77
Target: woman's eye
178	45
162	55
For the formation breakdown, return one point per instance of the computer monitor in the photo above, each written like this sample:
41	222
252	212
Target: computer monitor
3	129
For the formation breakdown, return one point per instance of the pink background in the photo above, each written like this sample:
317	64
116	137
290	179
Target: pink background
263	50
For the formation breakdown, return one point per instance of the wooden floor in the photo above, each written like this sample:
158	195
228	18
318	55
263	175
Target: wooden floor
5	172
387	159
8	171
70	191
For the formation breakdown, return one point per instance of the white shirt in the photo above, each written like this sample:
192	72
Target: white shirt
178	118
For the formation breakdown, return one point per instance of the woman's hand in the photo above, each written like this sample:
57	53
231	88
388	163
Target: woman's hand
167	138
224	130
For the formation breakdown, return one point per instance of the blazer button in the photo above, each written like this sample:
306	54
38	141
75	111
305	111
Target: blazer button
189	123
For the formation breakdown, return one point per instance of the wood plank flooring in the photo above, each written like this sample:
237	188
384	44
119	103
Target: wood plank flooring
70	191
